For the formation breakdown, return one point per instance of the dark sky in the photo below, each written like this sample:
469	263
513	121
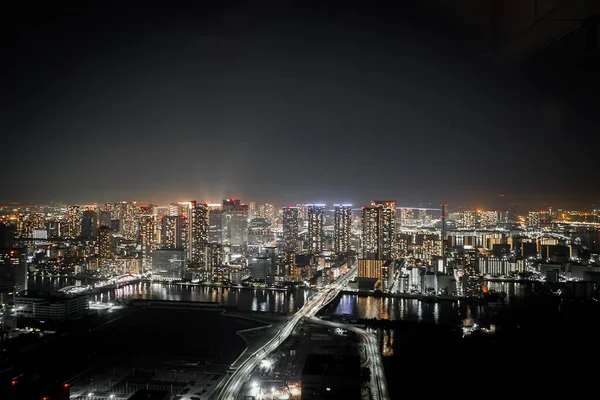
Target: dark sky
283	101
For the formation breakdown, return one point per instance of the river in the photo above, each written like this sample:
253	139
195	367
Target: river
267	300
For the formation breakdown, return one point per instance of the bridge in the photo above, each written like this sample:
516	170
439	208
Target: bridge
114	281
234	382
118	280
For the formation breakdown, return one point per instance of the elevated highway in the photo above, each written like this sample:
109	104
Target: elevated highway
232	384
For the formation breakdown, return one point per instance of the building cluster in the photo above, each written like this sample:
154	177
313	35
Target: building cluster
451	254
397	249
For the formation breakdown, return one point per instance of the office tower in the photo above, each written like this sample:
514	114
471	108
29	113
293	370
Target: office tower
342	222
7	235
170	232
89	224
168	264
198	231
105	242
234	224
214	255
316	221
147	232
378	231
104	218
290	229
13	270
215	223
74	222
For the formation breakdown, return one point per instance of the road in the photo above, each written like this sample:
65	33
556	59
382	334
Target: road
378	385
234	382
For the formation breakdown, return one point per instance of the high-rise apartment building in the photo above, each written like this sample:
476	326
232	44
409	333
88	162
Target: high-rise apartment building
73	222
378	230
342	223
316	222
469	219
534	220
170	232
126	213
147	232
488	219
290	229
183	210
198	232
105	242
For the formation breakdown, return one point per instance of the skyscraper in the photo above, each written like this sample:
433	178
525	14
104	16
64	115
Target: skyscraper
105	242
316	221
170	233
13	270
147	232
290	229
74	222
379	225
342	222
89	224
198	229
234	224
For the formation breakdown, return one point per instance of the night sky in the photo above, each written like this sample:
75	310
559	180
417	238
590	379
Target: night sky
284	101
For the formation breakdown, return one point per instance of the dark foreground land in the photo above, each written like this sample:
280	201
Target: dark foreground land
544	348
132	339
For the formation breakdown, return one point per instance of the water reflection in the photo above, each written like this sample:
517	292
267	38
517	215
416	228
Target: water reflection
264	300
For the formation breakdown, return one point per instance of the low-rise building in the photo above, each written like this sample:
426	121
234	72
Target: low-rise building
55	308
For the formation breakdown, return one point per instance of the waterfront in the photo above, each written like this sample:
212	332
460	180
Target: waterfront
246	299
281	301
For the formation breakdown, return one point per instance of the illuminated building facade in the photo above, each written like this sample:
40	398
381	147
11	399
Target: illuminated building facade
198	232
342	223
74	222
234	224
378	230
126	213
469	219
316	221
215	223
170	233
105	242
147	233
534	220
488	219
290	229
